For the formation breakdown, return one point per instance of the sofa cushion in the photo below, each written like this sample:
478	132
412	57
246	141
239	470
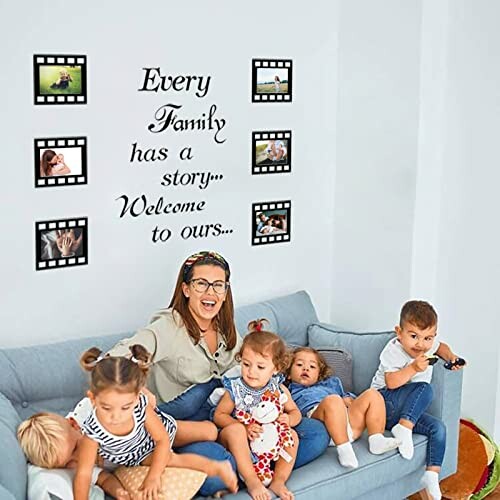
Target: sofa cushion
289	316
12	461
340	361
365	348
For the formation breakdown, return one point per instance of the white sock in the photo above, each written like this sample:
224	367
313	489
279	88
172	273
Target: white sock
404	435
379	444
347	458
430	480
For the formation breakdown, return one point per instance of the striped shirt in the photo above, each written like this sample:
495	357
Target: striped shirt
133	448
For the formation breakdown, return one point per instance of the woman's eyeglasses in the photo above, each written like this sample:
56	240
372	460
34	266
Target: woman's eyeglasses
201	285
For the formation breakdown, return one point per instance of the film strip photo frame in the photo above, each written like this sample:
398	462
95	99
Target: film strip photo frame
271	222
61	243
60	79
271	152
272	80
72	165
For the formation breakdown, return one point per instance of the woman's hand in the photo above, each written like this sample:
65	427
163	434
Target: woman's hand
253	431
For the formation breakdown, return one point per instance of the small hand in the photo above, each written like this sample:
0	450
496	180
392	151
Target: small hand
455	363
66	244
254	431
420	363
150	488
347	401
284	418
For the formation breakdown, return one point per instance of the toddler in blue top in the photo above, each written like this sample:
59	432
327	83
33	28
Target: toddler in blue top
320	395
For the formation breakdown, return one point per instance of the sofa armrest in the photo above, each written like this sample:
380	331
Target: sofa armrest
13	468
447	385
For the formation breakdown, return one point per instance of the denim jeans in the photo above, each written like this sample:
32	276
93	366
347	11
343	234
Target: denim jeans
193	405
410	402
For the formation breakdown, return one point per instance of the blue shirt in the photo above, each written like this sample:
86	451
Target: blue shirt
308	396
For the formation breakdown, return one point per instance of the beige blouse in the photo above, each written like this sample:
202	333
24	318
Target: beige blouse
178	363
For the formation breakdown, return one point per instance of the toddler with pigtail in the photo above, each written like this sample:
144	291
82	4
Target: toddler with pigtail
124	430
263	356
320	395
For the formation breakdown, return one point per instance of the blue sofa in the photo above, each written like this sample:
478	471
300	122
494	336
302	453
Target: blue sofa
48	378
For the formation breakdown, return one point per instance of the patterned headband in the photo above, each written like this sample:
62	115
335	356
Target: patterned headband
204	256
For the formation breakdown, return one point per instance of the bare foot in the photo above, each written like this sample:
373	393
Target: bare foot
279	489
226	473
258	491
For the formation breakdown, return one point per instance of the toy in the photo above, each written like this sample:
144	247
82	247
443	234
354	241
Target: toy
275	436
458	362
432	360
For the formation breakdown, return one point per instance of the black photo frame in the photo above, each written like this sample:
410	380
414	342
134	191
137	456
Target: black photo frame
271	152
74	151
60	79
271	222
54	238
272	80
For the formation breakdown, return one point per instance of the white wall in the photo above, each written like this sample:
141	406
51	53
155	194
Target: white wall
395	120
128	276
456	238
377	122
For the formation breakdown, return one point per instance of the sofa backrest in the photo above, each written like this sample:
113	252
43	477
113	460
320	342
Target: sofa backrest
48	377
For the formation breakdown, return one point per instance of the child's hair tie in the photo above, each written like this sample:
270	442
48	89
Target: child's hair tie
134	360
258	326
94	363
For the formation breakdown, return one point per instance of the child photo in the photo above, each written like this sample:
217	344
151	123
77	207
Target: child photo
271	222
60	79
271	80
60	161
271	152
61	243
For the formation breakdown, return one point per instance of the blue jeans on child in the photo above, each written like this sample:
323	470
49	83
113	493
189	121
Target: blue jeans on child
410	402
194	405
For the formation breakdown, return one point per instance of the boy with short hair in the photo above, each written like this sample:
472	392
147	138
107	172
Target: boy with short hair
51	441
403	378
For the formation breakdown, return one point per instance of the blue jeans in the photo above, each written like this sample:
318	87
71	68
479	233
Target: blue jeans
192	404
410	402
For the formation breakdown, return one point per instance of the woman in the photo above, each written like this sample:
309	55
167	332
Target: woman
193	343
50	159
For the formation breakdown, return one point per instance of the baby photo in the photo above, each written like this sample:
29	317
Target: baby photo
61	243
60	79
60	161
271	152
271	222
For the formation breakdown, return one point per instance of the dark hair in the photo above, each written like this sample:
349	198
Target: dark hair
116	372
179	302
418	313
45	166
325	370
265	343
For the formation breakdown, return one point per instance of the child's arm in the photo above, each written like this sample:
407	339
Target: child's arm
160	457
444	351
222	416
291	415
396	379
87	452
112	486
